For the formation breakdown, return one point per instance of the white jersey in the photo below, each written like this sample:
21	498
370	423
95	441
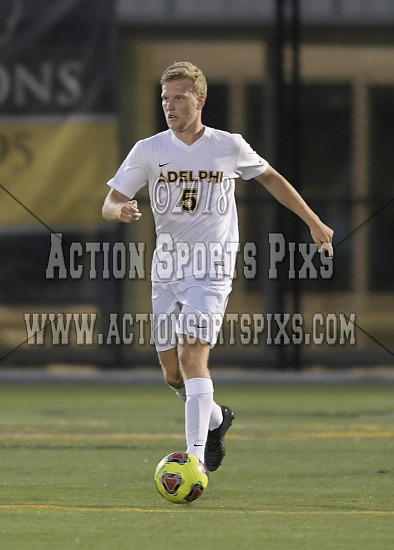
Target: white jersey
191	189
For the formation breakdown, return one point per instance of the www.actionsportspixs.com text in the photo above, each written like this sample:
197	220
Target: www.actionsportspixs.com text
246	329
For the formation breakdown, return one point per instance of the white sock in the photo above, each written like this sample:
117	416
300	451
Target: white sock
198	406
216	413
216	416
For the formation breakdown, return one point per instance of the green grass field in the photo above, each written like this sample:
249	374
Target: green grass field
307	467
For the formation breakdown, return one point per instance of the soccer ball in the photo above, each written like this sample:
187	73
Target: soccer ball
181	478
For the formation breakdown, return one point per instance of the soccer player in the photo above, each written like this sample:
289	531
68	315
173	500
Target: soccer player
191	171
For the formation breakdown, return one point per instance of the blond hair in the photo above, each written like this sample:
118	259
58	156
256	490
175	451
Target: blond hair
185	69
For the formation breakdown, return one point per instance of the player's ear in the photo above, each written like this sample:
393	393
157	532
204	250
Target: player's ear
201	102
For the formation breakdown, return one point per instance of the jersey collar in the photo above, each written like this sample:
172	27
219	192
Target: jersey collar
206	135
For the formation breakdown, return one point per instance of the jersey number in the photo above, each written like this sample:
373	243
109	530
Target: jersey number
188	200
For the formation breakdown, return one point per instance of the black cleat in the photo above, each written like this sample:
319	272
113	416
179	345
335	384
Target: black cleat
214	447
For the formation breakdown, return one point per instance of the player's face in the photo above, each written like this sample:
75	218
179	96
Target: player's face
182	108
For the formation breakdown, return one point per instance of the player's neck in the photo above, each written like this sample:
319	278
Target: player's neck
191	134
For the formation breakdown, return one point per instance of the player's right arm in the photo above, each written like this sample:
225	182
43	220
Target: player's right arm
118	207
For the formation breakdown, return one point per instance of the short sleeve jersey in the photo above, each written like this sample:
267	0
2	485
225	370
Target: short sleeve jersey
191	190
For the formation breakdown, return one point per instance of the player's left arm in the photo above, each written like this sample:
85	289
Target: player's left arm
287	195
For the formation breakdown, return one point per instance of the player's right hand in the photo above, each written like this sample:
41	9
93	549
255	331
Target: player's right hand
129	212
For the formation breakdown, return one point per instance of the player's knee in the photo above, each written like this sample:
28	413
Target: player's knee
174	380
193	359
172	375
170	367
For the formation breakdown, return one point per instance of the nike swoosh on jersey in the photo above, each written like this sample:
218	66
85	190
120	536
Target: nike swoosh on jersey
161	164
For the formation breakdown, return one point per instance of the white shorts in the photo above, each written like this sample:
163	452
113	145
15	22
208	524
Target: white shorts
188	306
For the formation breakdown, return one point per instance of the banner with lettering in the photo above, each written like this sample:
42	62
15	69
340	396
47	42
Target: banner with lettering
58	131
